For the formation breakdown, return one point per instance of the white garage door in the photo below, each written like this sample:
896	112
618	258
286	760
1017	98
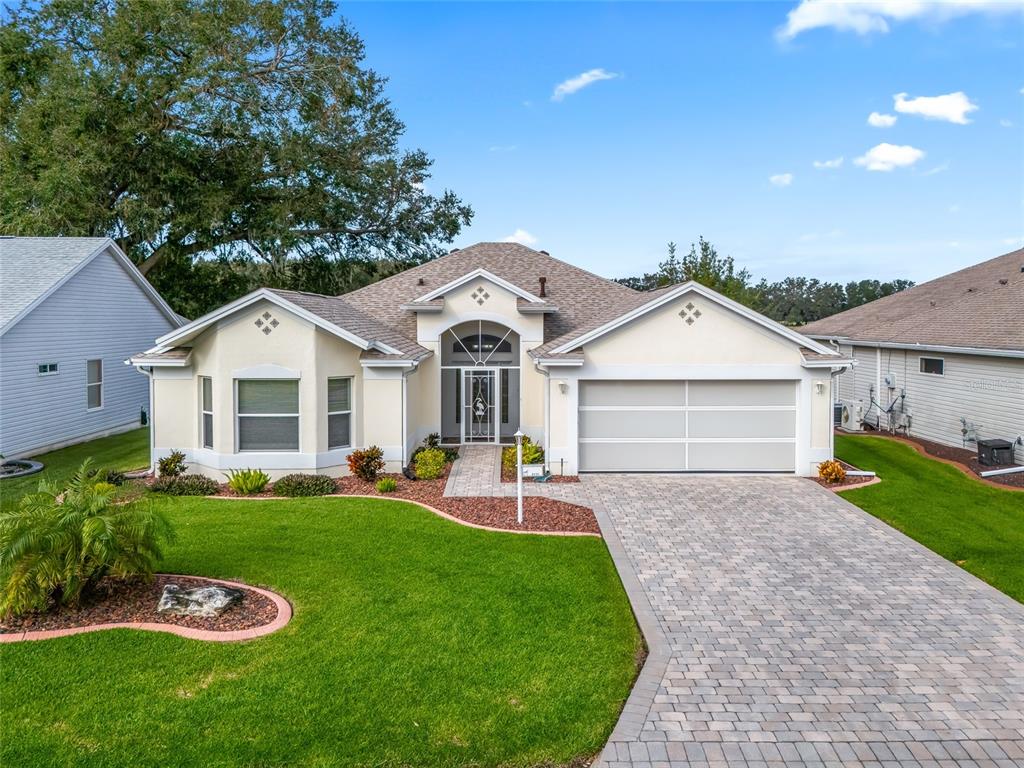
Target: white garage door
697	426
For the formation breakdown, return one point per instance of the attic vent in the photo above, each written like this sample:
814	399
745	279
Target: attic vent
931	303
421	281
453	250
543	286
548	254
480	295
1003	281
266	323
690	314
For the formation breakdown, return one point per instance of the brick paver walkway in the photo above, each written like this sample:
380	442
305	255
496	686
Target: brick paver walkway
789	628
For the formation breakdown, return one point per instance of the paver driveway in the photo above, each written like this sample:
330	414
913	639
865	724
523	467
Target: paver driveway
787	626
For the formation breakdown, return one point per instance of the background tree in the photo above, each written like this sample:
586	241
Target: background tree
246	129
793	300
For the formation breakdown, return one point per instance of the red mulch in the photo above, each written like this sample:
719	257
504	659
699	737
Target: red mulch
539	513
969	459
120	600
509	476
846	481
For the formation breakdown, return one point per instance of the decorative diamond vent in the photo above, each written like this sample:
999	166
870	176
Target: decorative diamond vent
480	295
690	314
266	323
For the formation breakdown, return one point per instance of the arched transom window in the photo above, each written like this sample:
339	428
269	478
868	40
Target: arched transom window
480	343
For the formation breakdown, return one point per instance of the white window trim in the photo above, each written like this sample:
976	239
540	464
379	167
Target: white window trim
920	365
351	409
203	413
94	384
297	416
54	372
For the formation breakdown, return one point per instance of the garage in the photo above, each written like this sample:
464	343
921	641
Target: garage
687	426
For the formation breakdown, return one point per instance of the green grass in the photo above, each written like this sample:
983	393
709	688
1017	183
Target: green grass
978	527
129	450
415	642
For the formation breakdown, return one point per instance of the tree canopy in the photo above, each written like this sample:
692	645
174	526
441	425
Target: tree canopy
793	300
238	129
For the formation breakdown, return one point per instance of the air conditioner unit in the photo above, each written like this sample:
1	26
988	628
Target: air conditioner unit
852	418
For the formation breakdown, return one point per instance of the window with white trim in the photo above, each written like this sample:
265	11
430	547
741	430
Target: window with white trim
933	365
339	413
267	414
94	384
48	369
206	411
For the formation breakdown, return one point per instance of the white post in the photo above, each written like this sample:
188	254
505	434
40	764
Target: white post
519	477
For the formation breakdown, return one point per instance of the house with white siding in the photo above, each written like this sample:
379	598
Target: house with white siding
72	310
943	361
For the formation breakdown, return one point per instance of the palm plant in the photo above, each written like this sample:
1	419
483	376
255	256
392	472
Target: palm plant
57	545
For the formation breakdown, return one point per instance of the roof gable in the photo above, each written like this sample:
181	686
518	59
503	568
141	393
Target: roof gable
477	274
662	296
33	268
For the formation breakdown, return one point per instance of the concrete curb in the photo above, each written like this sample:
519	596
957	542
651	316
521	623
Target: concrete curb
284	615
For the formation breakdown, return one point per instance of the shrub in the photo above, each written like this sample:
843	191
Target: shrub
433	440
186	485
430	463
387	485
112	476
532	454
173	465
247	482
366	464
831	471
57	546
304	485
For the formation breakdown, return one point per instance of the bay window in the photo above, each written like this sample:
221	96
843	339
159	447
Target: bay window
267	414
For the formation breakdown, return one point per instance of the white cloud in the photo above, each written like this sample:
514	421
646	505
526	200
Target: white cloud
520	236
941	168
886	157
865	17
836	162
878	120
1006	123
581	81
781	179
952	107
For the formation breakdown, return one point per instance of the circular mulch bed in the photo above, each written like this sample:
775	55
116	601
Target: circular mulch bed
134	601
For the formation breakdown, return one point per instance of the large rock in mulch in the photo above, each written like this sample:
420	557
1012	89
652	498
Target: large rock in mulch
201	601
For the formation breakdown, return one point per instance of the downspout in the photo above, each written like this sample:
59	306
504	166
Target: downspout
405	413
152	416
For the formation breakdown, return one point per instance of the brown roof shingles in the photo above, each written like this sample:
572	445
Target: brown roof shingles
978	307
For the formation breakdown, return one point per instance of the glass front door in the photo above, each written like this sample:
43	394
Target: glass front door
480	405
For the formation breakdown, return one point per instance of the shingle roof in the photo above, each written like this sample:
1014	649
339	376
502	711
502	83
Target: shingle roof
581	296
31	266
336	310
977	307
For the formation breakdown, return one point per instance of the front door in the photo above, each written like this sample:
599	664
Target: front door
480	400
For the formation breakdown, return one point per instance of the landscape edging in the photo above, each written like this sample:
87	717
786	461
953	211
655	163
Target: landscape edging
284	615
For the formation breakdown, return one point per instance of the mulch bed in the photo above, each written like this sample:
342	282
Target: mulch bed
509	476
969	459
846	481
539	513
135	600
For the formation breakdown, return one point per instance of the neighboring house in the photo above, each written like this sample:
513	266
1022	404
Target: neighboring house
953	346
480	343
72	309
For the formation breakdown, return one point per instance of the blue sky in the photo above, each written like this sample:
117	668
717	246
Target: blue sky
700	106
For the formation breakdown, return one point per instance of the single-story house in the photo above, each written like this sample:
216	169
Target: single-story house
943	361
72	309
478	344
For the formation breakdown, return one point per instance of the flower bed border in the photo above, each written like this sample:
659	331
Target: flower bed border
284	615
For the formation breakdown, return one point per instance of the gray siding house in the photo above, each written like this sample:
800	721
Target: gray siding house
72	310
943	361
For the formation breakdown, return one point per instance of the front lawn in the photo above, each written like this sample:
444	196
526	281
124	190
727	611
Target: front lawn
978	527
128	450
415	642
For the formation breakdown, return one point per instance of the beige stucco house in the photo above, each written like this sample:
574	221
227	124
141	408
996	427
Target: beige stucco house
480	343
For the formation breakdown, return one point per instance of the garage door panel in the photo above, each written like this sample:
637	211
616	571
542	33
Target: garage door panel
643	393
632	424
633	457
742	393
742	424
742	457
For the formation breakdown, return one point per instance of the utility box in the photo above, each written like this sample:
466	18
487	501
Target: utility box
992	453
